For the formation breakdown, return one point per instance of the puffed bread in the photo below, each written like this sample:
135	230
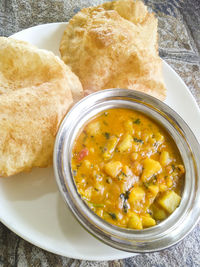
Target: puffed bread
114	45
35	94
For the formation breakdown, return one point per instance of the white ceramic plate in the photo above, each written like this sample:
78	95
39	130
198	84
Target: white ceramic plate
31	205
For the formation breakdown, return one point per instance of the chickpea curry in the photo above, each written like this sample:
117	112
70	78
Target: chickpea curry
127	168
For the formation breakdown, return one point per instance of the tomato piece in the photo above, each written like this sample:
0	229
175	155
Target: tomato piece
83	153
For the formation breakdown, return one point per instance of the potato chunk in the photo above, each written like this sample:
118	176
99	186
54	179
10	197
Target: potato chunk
135	221
154	189
151	167
169	201
93	128
158	213
126	143
110	147
137	194
164	158
128	125
147	221
113	168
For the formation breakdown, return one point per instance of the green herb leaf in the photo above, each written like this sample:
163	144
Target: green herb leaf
137	121
103	149
121	176
125	207
124	174
156	144
112	215
109	180
126	195
107	135
146	185
138	140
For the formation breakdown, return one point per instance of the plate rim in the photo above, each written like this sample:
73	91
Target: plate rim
77	256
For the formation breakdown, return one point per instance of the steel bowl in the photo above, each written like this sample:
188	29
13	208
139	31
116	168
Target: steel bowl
180	222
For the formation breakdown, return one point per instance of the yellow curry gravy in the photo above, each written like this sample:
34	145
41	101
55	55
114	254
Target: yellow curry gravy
127	168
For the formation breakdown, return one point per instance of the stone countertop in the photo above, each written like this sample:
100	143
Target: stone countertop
179	42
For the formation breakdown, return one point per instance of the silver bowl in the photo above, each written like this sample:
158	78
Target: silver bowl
180	222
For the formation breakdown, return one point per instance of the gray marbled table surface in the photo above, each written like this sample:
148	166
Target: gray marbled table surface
179	42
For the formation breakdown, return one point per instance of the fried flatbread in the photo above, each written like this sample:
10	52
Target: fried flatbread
114	45
35	94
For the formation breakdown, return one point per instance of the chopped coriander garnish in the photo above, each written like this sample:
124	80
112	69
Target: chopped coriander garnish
126	195
103	149
156	144
107	135
124	174
146	185
108	180
137	121
138	140
125	207
112	215
121	176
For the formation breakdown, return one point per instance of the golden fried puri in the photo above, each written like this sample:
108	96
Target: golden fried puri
35	94
114	45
